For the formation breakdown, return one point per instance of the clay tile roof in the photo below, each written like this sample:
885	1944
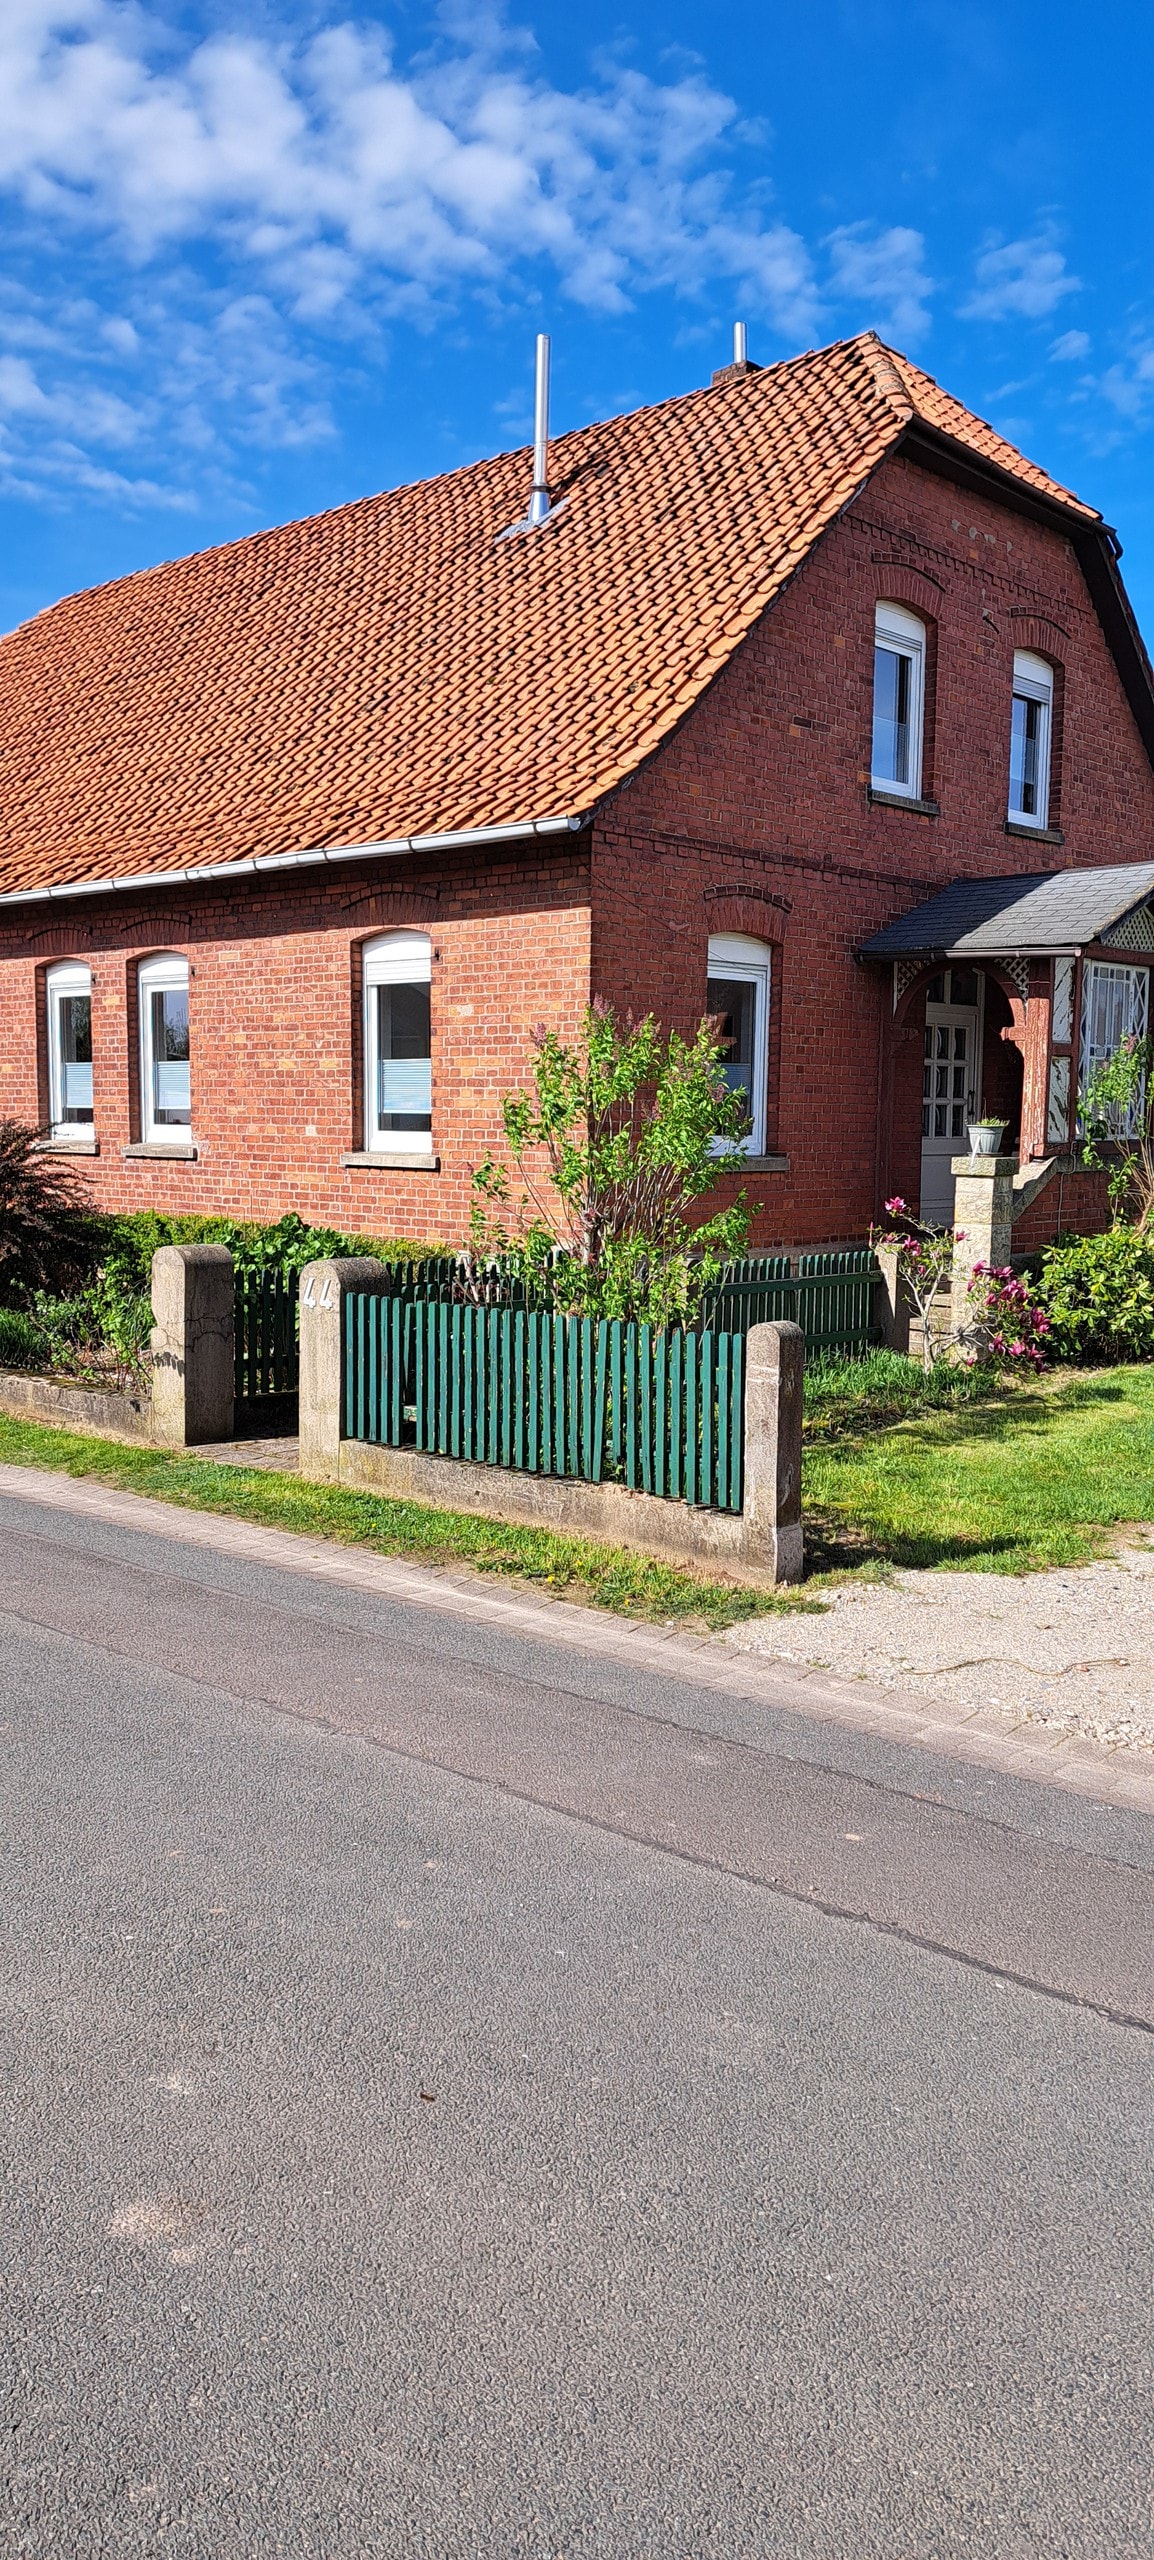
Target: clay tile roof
392	669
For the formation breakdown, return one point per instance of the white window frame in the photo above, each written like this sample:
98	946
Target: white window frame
1034	682
905	637
392	960
66	978
738	955
166	973
1126	993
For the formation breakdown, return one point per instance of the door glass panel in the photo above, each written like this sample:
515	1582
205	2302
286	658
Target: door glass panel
939	1119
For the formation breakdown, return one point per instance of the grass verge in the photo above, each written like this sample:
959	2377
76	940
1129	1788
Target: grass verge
571	1568
1001	1483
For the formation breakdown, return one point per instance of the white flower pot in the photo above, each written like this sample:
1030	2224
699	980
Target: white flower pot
987	1142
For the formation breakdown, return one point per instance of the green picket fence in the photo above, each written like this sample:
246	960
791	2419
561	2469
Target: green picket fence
266	1322
661	1411
832	1296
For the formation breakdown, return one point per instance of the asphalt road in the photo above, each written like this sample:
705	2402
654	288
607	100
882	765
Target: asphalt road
465	2097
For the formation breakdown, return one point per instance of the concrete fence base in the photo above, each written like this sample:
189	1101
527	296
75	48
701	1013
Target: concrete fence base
111	1412
761	1544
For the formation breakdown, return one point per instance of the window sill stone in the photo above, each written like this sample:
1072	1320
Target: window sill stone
901	800
158	1154
1037	835
380	1160
67	1147
764	1164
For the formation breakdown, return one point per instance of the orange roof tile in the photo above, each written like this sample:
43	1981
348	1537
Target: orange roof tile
392	669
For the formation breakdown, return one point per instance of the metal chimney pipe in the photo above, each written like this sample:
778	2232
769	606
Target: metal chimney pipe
539	494
740	355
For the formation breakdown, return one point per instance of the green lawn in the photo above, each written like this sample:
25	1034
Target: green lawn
573	1568
1036	1476
1006	1482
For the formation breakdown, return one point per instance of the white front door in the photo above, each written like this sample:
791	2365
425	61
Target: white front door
949	1098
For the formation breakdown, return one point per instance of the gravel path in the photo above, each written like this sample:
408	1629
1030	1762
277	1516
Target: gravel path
1073	1648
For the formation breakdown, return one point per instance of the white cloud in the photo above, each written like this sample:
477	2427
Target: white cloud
1070	347
882	275
1023	279
1128	387
333	159
200	220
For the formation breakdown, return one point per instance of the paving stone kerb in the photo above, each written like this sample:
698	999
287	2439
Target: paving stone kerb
762	1543
193	1369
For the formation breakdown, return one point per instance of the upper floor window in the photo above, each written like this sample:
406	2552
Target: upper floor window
1030	722
69	993
165	1084
899	697
398	1044
738	992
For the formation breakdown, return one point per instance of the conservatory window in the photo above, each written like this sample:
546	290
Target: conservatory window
398	1044
1115	1008
69	992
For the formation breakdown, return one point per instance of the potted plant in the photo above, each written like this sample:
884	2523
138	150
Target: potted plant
986	1136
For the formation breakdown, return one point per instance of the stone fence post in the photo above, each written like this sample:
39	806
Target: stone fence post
324	1289
984	1219
192	1344
774	1362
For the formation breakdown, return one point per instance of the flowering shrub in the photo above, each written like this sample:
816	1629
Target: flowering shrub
925	1259
1009	1325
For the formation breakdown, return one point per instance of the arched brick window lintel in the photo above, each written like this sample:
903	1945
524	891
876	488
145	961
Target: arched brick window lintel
751	911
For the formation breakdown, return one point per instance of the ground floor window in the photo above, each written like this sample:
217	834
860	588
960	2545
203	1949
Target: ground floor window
165	1074
69	994
1115	1007
738	994
398	1044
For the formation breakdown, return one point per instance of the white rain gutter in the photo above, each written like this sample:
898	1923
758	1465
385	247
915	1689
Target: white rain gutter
256	864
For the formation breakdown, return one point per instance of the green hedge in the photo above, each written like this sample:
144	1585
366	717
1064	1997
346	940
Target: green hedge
1098	1292
128	1243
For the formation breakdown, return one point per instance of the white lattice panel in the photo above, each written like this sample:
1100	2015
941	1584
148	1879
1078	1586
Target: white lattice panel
1135	933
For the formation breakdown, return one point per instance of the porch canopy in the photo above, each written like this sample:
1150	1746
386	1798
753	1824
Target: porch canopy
1029	915
1077	949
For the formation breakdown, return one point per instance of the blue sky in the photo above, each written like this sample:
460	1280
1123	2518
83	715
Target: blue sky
259	260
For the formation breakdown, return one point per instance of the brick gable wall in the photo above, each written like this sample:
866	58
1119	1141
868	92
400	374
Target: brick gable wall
760	808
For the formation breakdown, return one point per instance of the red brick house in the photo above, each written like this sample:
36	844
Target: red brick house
812	691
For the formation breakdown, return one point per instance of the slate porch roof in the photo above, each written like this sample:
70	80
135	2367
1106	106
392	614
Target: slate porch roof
392	670
1031	912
